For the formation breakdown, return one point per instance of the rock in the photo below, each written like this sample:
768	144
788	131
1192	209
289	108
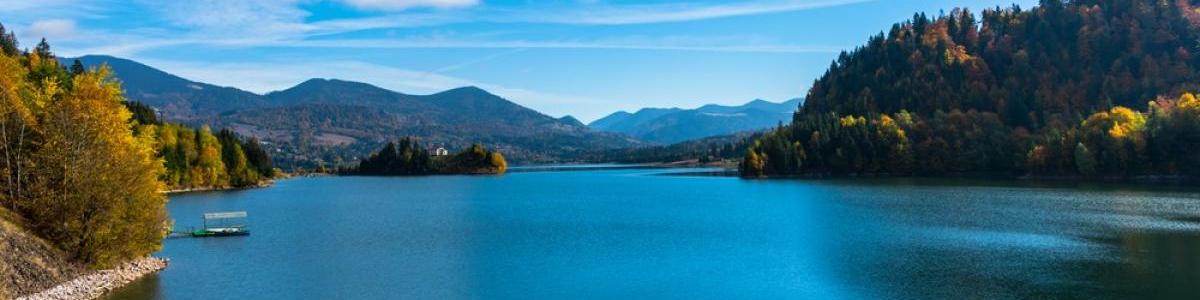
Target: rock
95	284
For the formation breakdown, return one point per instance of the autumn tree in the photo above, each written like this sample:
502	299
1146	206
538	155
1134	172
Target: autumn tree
100	199
19	107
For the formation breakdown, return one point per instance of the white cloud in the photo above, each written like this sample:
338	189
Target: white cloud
53	29
38	6
259	19
397	5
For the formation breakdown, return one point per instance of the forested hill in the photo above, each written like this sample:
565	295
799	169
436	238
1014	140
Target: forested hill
1058	61
1078	88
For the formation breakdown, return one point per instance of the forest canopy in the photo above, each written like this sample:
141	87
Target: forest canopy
1093	88
198	158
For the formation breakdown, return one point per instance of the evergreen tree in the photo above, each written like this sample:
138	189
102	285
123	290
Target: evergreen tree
43	50
77	68
142	114
8	42
258	157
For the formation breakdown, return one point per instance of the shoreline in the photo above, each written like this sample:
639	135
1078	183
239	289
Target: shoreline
96	284
695	163
1140	180
263	184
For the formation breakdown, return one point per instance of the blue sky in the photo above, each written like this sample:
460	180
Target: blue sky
585	58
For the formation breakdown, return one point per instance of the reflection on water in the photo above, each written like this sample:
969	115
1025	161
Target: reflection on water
597	233
147	287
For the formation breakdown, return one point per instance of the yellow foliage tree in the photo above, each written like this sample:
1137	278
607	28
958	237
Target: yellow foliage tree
101	199
851	121
211	170
17	123
498	162
1118	136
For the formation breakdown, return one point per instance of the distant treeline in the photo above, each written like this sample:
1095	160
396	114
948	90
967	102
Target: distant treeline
408	157
726	147
1065	89
196	158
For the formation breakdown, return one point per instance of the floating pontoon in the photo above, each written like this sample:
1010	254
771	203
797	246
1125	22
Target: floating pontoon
230	223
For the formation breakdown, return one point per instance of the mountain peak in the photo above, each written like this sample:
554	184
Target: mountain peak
656	110
757	102
467	91
332	85
568	119
97	57
331	82
312	81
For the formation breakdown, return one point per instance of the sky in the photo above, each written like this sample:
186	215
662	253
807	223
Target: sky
585	58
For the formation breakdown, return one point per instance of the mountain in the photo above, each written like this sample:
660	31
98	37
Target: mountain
175	97
571	120
622	121
338	121
672	125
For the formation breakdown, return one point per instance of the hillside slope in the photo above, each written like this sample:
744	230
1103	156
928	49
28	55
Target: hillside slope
1086	88
29	264
1056	62
179	99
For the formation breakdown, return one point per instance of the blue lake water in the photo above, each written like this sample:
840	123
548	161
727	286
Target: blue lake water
637	233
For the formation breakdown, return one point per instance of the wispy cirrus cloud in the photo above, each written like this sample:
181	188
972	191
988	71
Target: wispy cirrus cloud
395	5
263	19
592	14
287	23
613	44
671	12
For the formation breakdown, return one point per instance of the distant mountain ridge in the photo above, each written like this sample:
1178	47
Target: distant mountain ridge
672	125
331	121
175	97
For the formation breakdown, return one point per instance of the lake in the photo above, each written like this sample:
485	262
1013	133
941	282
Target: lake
658	233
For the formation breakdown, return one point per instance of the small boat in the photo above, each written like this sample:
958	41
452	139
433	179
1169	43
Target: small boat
223	224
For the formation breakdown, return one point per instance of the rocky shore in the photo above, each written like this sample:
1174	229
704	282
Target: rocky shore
95	284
